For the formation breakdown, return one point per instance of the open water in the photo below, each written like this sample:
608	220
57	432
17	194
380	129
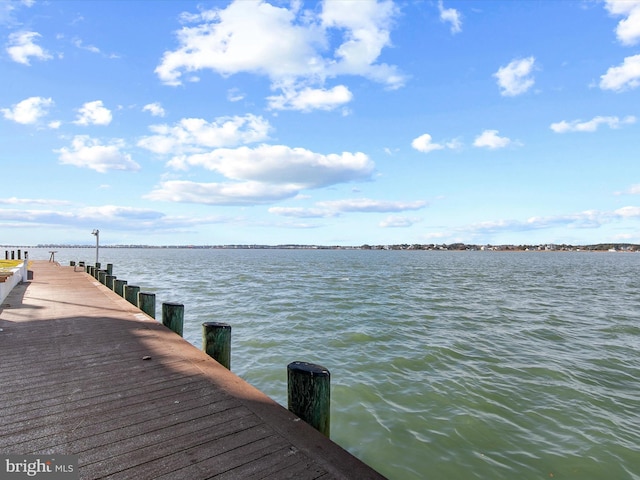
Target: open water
444	365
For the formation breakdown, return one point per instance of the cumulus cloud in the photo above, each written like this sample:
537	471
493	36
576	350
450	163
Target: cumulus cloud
154	109
627	212
490	139
628	29
280	164
263	174
28	111
240	193
424	143
623	77
93	113
22	47
89	153
193	135
515	78
591	125
298	49
308	99
452	16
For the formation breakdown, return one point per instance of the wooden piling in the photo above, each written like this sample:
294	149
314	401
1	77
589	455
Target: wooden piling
109	268
118	286
131	294
147	303
108	281
309	394
102	274
216	342
173	316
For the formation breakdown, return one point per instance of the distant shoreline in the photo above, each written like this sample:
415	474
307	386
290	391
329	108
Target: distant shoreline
600	247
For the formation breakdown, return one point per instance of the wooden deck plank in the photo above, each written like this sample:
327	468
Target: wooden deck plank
75	382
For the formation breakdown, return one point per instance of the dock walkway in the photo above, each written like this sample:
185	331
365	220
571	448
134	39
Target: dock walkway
83	372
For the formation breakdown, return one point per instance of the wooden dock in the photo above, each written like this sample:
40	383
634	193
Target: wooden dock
83	372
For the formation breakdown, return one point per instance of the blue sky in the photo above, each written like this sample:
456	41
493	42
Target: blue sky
333	123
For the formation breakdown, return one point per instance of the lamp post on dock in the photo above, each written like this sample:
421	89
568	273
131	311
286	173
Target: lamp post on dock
96	232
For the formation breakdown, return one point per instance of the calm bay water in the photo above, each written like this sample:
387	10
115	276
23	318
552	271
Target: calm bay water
444	365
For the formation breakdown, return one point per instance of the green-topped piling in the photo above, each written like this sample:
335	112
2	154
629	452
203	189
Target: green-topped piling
216	342
309	394
173	316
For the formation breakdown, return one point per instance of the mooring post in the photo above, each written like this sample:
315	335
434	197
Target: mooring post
102	277
118	286
109	268
108	281
147	303
216	342
309	394
131	294
92	270
173	316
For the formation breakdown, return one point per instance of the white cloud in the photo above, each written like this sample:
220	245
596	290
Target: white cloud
93	113
87	152
622	77
490	139
263	174
281	165
515	78
32	201
193	135
28	111
424	144
633	190
298	49
627	212
334	208
154	109
452	16
299	212
21	47
90	48
235	95
398	221
241	193
370	205
308	99
628	30
590	125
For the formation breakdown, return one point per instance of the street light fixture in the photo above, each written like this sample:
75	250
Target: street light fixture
96	232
